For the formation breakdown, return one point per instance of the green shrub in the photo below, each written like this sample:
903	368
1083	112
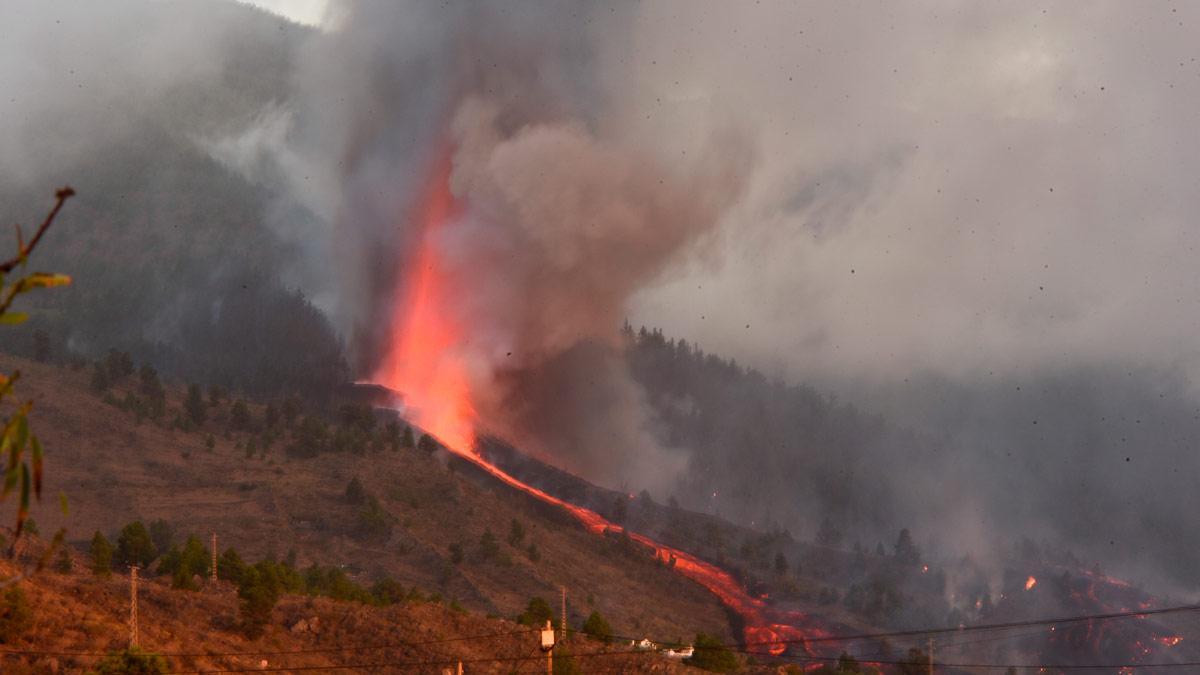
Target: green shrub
355	492
388	592
63	564
131	661
100	381
516	533
332	582
101	553
186	563
597	628
257	594
536	613
230	566
711	655
118	364
489	548
16	615
564	662
239	416
161	534
374	523
310	438
194	406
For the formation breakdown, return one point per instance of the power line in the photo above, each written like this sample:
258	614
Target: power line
313	650
811	659
597	654
741	648
985	627
955	629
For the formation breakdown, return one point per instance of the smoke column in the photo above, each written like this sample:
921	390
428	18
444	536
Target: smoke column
496	230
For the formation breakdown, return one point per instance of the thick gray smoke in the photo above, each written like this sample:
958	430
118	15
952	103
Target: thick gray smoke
562	216
968	217
561	229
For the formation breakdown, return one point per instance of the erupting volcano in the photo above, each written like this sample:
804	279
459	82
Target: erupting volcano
424	361
427	362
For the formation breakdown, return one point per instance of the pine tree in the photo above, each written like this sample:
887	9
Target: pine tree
64	563
488	546
906	550
516	533
100	379
186	563
258	593
194	406
597	628
16	615
391	435
134	545
161	534
101	553
355	492
828	534
239	416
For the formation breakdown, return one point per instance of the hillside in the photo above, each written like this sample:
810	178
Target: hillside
79	618
115	470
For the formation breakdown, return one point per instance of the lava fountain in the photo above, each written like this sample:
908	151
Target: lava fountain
425	360
428	364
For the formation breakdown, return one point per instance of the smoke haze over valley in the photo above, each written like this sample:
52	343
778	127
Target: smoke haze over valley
926	265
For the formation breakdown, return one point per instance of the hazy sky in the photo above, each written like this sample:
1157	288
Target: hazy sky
310	12
961	186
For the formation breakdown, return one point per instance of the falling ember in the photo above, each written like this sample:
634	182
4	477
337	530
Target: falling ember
426	363
1030	583
1169	640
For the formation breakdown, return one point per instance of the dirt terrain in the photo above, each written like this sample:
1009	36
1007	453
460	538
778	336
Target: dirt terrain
114	469
79	617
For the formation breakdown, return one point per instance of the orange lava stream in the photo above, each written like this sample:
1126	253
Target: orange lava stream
426	363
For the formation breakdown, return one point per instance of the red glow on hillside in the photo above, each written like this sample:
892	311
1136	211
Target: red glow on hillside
427	365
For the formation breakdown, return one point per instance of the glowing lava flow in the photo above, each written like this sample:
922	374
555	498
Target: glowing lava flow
427	365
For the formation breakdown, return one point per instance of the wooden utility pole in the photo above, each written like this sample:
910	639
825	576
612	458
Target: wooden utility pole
214	556
133	606
548	646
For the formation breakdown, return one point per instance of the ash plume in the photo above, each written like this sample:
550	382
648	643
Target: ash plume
561	216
